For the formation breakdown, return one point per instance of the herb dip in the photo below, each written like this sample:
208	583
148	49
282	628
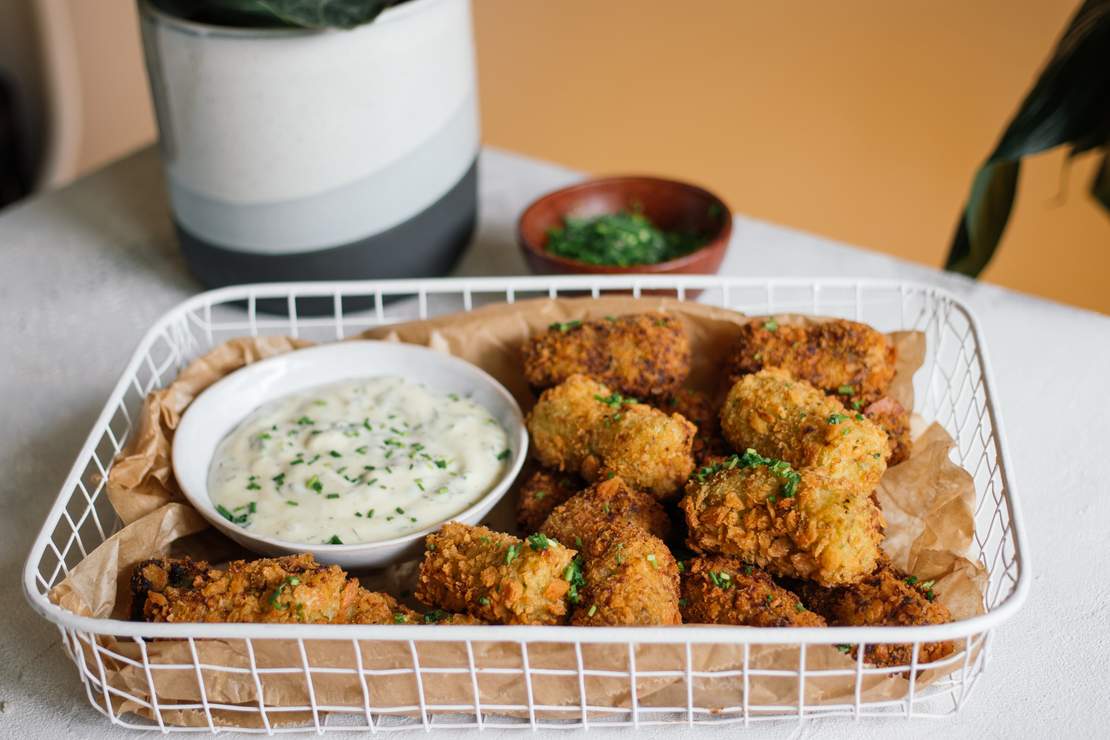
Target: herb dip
357	461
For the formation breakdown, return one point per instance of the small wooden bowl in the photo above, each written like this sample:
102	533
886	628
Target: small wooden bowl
669	204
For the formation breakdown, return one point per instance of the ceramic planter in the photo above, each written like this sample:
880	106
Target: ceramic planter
303	155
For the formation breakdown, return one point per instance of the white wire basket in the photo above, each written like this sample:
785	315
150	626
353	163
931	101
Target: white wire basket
953	387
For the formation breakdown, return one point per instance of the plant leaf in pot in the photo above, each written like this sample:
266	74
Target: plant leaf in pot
1068	106
317	14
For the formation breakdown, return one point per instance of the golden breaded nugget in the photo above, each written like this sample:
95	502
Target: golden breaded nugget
887	597
781	417
561	423
582	426
839	357
641	355
288	589
633	580
720	590
494	576
539	491
802	525
580	520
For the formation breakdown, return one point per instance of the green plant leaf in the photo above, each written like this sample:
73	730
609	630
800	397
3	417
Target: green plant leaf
317	14
1068	105
984	219
325	13
1100	185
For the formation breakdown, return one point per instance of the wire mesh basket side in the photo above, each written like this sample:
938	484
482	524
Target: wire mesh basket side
265	685
951	389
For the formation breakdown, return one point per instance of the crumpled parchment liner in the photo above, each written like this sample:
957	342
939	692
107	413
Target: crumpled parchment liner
927	501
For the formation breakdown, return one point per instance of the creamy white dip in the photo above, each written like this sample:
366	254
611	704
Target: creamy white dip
357	461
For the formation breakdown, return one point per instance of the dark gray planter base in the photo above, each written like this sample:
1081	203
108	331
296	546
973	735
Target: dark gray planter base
427	245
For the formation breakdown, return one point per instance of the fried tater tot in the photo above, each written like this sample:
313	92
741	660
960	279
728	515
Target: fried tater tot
580	520
632	580
887	597
796	524
561	423
288	589
539	491
893	419
781	417
720	590
494	576
839	357
641	354
582	426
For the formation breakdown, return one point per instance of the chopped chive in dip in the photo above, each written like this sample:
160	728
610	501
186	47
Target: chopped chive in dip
334	540
420	454
624	238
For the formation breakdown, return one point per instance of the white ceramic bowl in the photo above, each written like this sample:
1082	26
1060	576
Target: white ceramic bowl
220	408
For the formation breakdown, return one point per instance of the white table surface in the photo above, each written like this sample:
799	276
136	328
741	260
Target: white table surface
84	270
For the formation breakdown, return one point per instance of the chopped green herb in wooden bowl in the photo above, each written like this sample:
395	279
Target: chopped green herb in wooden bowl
622	239
626	225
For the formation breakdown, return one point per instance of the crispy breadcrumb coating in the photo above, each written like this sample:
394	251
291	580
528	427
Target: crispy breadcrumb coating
895	421
494	576
721	590
539	491
582	426
781	417
631	580
797	524
887	597
288	589
580	520
840	357
640	355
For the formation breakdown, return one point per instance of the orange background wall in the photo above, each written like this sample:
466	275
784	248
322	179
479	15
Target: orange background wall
862	120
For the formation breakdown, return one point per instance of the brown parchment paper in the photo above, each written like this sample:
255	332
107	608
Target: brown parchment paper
927	501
